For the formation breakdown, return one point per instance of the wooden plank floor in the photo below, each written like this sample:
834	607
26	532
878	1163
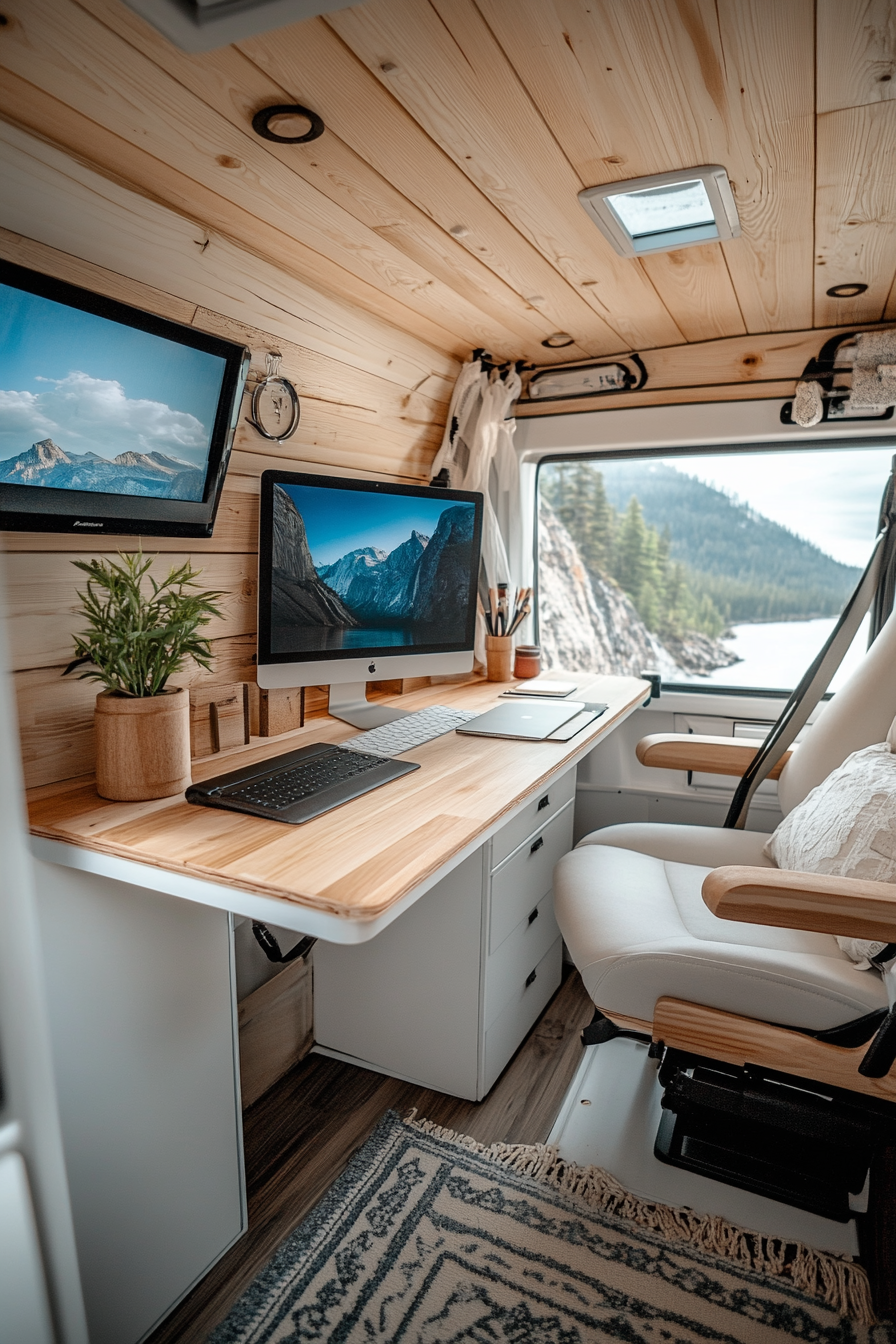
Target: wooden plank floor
300	1135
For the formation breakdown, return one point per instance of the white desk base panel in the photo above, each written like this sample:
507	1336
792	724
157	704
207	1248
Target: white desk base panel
140	992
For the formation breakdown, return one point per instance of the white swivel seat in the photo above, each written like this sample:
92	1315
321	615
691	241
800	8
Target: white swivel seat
630	905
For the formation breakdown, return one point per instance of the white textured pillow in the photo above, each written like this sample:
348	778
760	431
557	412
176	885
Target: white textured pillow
847	827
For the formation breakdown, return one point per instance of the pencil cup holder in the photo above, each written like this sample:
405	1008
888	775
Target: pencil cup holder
498	656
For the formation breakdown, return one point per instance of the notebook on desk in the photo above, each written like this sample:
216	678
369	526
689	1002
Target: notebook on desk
530	721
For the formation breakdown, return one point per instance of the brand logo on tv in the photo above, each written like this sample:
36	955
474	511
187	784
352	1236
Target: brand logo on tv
78	523
372	667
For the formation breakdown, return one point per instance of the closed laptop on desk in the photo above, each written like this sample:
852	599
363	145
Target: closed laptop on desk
527	720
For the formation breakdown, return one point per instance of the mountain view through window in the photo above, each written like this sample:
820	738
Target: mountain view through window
722	569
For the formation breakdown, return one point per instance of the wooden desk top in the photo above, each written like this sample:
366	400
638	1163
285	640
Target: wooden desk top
360	859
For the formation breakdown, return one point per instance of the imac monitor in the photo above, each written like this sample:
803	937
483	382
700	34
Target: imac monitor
111	419
361	581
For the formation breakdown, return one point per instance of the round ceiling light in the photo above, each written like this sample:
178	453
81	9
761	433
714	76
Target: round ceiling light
846	291
558	340
261	123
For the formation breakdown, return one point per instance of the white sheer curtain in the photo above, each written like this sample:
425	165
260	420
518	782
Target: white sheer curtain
477	451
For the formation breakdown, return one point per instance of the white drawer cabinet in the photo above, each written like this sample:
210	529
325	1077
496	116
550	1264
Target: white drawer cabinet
519	883
446	994
531	995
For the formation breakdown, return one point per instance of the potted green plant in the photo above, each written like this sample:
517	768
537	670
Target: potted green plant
139	633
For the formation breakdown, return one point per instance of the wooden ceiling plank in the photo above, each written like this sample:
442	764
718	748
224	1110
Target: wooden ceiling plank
695	286
23	105
855	221
92	69
635	89
58	201
452	76
748	360
856	53
236	88
316	66
660	396
767	56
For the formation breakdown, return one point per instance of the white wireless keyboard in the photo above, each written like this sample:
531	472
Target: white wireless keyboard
393	739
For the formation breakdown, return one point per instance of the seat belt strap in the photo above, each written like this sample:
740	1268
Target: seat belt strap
875	588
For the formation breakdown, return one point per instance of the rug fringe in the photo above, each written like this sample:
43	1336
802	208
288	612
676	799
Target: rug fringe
840	1283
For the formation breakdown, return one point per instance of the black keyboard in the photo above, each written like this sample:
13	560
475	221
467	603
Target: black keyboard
300	784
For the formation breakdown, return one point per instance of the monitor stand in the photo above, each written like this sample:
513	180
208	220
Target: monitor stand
349	702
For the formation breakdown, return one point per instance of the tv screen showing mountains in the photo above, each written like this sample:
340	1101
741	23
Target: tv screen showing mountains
364	570
91	404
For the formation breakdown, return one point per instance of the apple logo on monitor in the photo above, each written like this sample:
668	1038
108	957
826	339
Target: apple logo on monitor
372	667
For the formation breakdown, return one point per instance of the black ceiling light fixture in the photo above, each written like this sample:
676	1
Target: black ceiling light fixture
850	291
261	123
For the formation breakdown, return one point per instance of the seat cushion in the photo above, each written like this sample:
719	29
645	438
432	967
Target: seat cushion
637	929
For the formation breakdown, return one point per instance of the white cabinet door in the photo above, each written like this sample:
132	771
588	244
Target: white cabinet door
407	1002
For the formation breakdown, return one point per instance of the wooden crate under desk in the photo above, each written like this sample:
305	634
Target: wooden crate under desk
276	1028
360	859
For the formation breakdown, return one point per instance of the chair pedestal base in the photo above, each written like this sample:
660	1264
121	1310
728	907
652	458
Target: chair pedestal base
770	1135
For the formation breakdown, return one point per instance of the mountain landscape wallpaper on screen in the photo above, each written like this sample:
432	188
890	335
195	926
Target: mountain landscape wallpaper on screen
88	403
129	473
415	593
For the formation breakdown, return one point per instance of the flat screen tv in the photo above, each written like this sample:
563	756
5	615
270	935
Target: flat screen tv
111	419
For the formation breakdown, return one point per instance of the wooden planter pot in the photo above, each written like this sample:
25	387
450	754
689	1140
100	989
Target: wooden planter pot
142	745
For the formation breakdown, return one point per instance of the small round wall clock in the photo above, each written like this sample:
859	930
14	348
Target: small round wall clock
275	403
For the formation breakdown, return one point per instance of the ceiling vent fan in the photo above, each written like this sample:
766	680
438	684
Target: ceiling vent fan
201	25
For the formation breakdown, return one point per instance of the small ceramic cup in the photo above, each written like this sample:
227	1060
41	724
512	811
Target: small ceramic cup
527	662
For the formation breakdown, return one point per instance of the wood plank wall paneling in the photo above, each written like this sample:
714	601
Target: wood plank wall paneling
373	399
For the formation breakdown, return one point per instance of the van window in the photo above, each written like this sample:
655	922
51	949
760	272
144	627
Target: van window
719	569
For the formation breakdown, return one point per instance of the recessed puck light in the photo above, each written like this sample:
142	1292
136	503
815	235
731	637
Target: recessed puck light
845	291
261	123
558	340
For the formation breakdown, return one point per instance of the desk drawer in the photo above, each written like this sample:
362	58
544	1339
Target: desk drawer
520	1014
519	952
522	880
545	805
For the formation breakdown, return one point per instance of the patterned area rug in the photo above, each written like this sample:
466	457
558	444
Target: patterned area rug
428	1238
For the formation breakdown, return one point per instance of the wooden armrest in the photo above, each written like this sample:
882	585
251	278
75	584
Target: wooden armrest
690	751
817	902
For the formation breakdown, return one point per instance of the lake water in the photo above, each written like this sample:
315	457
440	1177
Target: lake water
776	654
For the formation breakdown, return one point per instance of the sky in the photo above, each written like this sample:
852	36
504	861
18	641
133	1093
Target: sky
829	496
338	521
93	385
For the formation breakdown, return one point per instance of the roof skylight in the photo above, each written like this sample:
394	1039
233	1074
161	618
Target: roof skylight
665	211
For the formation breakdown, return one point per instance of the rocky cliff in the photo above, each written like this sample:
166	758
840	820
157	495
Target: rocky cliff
298	595
425	581
442	583
587	625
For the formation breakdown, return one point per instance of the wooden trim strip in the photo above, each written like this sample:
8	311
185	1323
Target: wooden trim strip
742	1040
